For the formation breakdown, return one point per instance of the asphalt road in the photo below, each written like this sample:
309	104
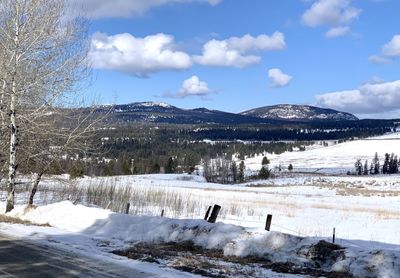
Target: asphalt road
26	259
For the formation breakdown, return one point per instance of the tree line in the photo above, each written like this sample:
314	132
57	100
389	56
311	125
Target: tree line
390	165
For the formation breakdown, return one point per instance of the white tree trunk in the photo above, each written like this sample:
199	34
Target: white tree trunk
13	155
12	166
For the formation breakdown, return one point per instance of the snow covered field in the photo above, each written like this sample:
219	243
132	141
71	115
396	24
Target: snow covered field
332	159
360	208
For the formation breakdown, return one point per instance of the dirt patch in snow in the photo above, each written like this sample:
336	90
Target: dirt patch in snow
186	256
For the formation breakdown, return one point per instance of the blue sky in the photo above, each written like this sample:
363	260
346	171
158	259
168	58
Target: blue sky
234	55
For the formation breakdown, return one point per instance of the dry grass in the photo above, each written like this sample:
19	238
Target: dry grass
376	212
356	188
15	220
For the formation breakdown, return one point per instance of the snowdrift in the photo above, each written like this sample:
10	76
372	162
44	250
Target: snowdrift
233	240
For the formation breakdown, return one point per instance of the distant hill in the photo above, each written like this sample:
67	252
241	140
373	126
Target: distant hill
159	112
291	112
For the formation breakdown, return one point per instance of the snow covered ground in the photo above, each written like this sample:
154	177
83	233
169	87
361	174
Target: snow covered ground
360	208
338	158
365	210
96	231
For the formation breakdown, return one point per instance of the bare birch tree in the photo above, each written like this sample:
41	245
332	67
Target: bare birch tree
43	59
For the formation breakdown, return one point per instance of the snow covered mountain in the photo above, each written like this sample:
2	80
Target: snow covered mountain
298	113
159	112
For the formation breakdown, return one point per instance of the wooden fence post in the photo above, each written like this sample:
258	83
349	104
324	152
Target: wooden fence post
128	205
268	222
214	214
334	235
207	213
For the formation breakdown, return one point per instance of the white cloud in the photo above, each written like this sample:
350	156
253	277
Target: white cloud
335	32
392	48
262	42
138	56
278	78
376	59
330	12
125	8
389	51
367	99
193	87
218	53
235	51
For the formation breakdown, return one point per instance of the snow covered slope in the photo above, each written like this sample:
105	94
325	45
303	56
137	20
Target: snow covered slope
298	112
333	158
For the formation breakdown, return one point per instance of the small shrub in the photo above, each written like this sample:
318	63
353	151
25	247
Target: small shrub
264	173
77	170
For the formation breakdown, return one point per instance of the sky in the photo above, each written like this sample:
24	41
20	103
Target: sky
235	55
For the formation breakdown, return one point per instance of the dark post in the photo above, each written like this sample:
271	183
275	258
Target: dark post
128	205
214	214
207	213
268	222
333	237
162	213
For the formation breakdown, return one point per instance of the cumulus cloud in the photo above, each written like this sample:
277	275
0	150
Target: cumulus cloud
335	32
137	56
335	13
237	51
367	99
125	8
330	12
392	48
278	78
193	86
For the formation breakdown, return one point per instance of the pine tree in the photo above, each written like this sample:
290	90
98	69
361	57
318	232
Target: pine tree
234	171
386	164
264	173
365	168
170	166
241	172
393	164
265	161
358	167
376	164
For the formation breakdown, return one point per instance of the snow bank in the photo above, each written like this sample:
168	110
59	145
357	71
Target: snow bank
233	240
104	223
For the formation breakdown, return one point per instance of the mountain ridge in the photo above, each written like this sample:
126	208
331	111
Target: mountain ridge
297	112
161	112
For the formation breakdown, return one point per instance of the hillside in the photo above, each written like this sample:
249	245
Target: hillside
337	158
298	113
159	112
153	112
